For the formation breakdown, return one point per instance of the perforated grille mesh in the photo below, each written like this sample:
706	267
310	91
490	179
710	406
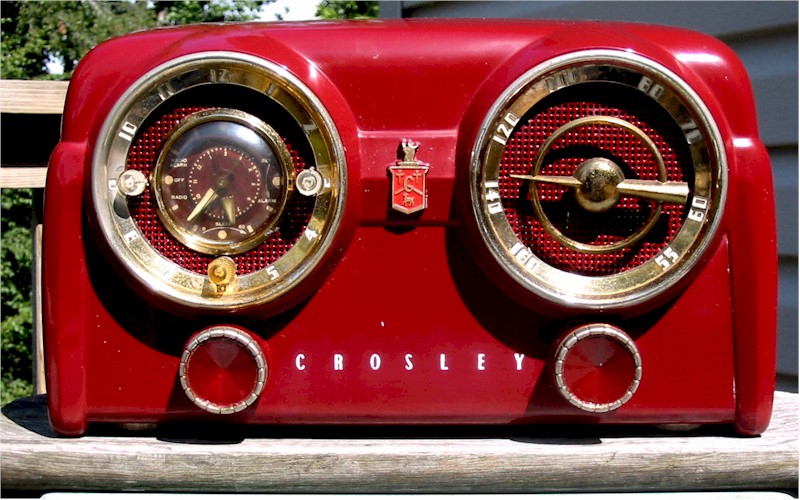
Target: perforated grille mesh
564	157
143	156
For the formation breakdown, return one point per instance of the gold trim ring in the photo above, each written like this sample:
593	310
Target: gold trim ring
577	184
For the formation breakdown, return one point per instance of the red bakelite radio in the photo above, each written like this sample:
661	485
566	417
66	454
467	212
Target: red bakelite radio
427	222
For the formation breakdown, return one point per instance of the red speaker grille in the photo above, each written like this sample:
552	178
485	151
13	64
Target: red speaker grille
143	156
564	157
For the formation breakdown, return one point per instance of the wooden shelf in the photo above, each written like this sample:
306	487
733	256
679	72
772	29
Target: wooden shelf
379	459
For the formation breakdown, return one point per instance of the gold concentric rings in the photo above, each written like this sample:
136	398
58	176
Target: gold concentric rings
702	194
536	179
165	278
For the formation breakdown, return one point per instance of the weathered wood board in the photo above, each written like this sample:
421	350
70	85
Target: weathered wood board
379	459
32	96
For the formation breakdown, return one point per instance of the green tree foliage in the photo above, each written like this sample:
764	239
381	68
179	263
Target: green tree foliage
33	34
15	292
190	12
346	9
61	32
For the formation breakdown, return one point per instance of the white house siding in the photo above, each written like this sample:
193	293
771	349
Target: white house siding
764	35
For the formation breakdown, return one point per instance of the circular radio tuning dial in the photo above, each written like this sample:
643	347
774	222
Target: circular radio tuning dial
597	181
599	184
221	181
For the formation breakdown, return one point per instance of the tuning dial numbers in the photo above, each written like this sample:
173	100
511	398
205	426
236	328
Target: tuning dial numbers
221	182
598	180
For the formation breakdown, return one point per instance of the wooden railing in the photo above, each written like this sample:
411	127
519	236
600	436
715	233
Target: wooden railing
28	98
28	107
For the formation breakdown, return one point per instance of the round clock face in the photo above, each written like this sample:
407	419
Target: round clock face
194	182
598	180
221	181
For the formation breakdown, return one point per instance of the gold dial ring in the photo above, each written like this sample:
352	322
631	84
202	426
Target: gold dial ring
536	178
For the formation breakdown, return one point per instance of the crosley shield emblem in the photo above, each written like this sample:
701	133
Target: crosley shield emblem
409	183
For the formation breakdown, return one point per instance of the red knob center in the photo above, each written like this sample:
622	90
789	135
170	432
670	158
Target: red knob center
598	368
223	370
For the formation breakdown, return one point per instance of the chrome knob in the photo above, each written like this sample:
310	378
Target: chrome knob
223	370
597	368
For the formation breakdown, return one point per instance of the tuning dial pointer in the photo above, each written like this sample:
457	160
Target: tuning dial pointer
666	192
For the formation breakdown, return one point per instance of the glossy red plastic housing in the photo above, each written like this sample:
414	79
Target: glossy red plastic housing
406	317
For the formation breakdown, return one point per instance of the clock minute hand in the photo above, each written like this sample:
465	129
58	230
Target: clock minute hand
229	207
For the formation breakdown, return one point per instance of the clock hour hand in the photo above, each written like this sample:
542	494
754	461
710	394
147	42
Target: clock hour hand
212	194
204	202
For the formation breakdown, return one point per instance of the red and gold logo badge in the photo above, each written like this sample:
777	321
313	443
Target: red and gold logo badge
409	186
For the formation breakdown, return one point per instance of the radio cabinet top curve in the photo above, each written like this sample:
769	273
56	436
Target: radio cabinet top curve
461	222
